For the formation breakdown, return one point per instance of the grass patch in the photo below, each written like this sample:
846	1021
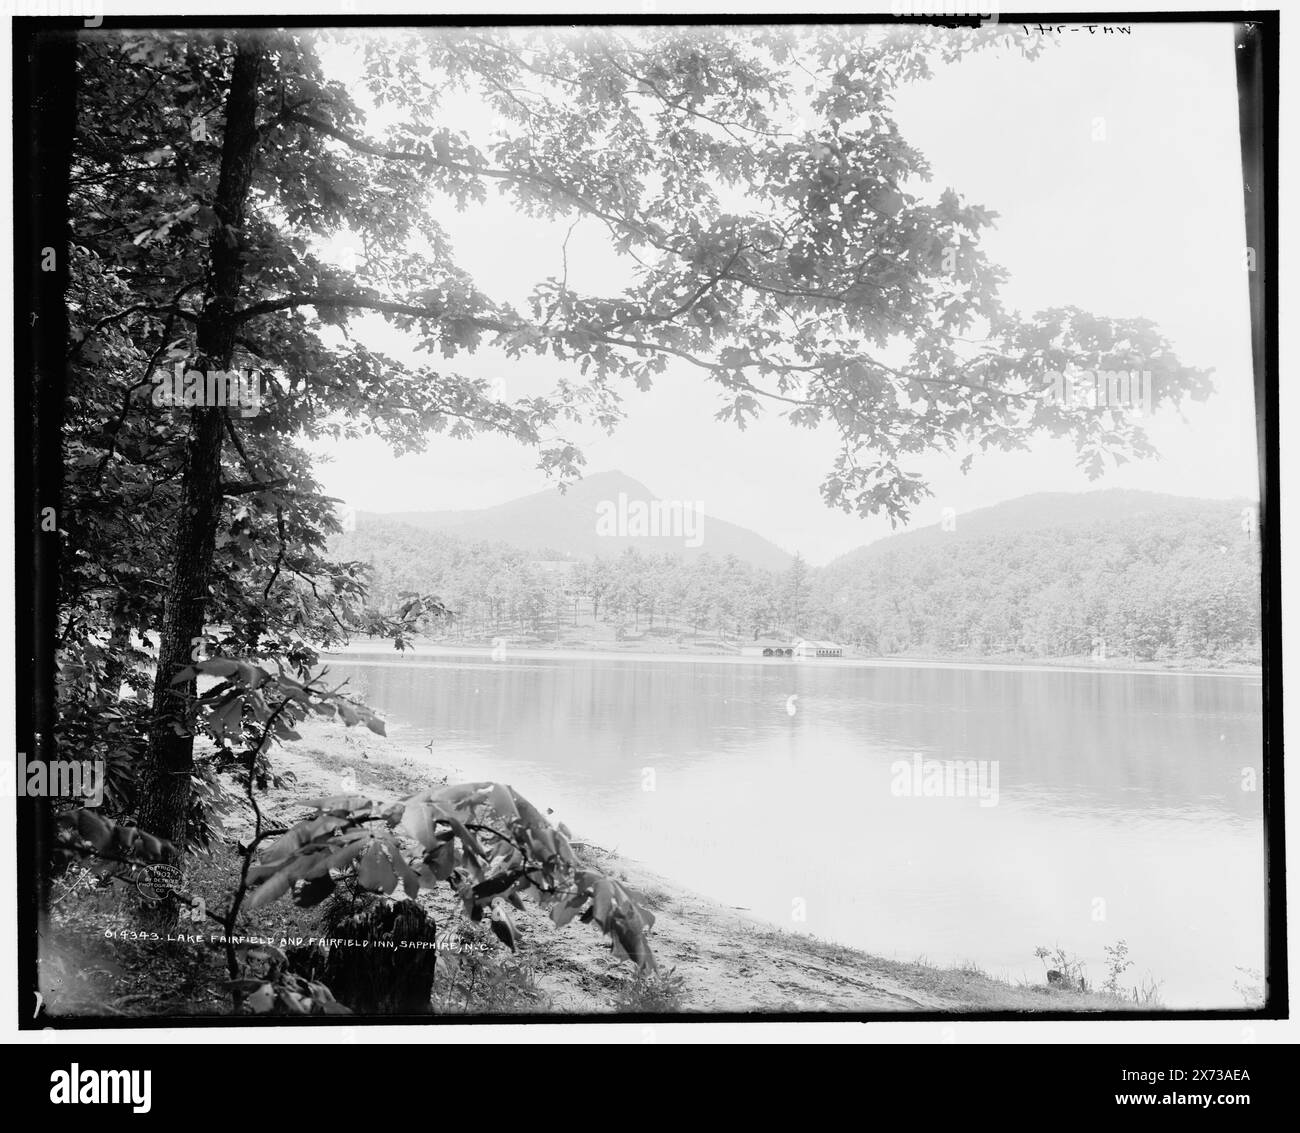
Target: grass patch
655	993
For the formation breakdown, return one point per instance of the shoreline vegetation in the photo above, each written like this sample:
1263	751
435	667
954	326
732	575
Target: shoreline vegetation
1107	579
711	650
712	958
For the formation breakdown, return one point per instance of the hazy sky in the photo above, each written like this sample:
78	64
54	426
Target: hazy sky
1147	222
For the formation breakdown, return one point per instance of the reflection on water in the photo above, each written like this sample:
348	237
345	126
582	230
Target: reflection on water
1121	810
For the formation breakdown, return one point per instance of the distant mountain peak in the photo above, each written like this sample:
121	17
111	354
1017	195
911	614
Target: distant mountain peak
611	481
576	523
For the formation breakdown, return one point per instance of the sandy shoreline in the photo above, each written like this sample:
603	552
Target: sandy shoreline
382	651
724	960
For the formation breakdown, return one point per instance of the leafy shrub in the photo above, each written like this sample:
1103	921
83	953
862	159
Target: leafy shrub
1117	963
654	993
1063	970
485	840
475	979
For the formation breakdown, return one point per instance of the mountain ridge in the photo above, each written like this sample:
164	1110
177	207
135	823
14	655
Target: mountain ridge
568	525
1038	511
598	517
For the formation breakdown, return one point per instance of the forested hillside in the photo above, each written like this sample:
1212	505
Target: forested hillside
494	588
1169	581
1162	578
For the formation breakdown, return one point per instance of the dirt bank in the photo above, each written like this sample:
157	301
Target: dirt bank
722	960
712	958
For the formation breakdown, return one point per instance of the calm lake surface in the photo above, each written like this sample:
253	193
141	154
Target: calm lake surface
1120	810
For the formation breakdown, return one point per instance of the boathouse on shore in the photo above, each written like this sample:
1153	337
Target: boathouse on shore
818	649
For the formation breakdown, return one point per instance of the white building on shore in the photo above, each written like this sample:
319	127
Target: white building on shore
818	649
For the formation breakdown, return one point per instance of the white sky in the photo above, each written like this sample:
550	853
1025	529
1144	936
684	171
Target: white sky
1147	223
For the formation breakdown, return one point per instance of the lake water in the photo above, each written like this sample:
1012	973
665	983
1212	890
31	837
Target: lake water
1121	807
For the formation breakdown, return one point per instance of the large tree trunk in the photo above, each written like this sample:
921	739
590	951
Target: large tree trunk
45	104
169	761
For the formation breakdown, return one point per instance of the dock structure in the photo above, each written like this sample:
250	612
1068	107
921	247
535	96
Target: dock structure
788	648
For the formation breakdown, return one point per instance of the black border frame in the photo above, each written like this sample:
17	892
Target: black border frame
38	303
